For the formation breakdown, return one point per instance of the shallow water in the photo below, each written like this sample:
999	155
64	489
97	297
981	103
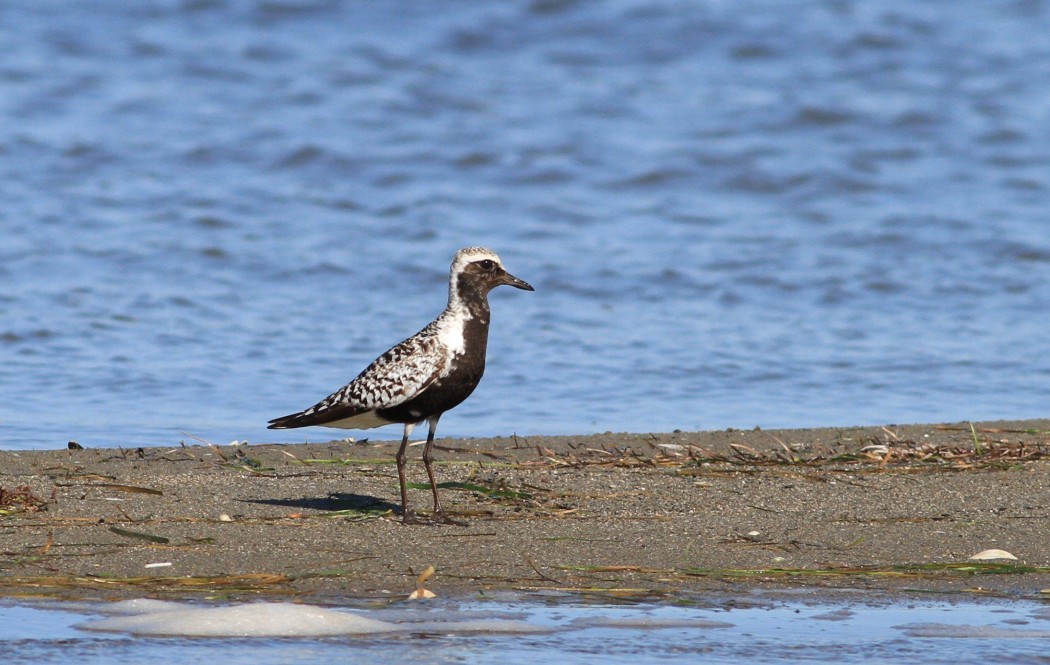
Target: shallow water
929	631
735	214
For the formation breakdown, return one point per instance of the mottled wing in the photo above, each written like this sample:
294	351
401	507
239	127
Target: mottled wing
397	376
393	378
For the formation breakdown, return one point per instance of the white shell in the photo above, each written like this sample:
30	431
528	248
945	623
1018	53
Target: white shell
422	594
992	555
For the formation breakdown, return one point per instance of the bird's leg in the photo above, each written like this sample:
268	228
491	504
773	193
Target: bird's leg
407	516
439	514
426	462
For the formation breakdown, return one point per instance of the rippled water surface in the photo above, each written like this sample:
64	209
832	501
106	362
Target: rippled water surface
952	632
214	212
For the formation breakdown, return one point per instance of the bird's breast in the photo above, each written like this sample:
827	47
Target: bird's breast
464	334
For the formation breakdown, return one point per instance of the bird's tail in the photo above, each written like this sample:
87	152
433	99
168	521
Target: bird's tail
300	419
344	416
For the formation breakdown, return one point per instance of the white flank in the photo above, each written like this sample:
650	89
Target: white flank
366	420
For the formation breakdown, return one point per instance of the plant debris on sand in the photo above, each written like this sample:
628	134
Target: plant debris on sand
877	507
20	500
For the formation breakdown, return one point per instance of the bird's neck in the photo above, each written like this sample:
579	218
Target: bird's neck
464	328
470	305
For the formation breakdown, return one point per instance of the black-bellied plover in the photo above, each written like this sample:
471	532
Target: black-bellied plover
425	375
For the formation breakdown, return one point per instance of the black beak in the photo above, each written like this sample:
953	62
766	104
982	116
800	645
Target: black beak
511	280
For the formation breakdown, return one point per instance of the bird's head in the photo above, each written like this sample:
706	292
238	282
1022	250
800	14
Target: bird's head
476	271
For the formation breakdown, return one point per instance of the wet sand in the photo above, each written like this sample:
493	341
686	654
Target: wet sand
877	508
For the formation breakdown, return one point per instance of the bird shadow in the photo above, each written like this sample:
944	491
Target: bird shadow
333	502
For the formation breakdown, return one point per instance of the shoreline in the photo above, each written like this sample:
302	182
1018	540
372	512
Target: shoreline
880	509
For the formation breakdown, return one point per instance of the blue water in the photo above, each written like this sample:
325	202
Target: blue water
215	212
955	633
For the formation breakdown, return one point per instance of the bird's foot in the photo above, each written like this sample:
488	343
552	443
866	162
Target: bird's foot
409	517
437	517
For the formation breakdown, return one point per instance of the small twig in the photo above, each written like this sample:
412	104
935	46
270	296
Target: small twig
787	449
211	445
977	448
46	547
740	449
890	433
544	577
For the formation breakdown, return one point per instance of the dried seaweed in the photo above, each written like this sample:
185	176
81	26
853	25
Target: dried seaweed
249	582
498	491
919	570
875	454
20	500
901	570
138	535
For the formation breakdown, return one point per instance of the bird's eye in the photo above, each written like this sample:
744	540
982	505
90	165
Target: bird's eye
487	264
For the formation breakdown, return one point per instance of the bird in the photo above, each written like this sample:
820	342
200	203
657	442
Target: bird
425	375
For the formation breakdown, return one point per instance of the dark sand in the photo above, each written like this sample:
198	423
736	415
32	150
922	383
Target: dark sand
616	513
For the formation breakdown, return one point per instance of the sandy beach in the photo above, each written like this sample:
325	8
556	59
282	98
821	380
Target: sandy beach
879	508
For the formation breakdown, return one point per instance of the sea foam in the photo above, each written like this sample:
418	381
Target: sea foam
145	617
160	618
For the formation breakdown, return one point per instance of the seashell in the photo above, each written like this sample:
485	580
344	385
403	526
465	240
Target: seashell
992	555
421	594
